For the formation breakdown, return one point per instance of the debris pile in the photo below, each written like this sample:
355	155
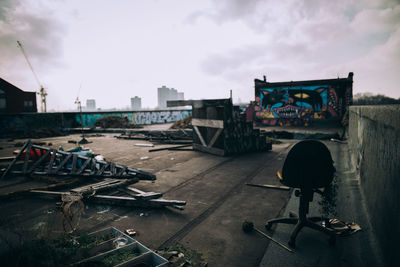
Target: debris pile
183	124
100	176
37	133
221	128
115	122
161	137
178	255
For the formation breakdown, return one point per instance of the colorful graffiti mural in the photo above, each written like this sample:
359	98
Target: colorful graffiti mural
300	103
31	121
137	118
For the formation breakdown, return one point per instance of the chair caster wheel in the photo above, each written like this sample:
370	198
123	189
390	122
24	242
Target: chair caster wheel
268	226
292	243
332	240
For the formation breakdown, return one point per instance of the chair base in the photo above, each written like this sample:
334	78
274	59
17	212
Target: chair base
303	222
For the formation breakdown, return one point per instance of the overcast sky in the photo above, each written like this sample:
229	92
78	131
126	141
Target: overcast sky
116	49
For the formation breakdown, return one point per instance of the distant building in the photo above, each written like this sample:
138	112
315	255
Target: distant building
136	103
14	100
91	104
165	94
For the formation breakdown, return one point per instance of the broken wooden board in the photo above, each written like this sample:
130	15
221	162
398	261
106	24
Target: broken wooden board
106	184
141	195
120	200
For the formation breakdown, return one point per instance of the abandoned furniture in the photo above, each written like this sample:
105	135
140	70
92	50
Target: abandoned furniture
308	167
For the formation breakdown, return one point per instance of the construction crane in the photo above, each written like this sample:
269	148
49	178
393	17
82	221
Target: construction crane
42	92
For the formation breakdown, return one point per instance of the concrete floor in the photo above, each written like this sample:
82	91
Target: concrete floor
218	201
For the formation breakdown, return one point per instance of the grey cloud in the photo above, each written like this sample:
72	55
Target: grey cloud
39	32
253	55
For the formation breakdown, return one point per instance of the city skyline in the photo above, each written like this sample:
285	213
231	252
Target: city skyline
110	52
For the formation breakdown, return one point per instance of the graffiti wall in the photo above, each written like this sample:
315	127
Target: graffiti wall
30	121
137	118
301	103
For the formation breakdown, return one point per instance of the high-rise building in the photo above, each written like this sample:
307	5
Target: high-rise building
165	94
136	103
90	104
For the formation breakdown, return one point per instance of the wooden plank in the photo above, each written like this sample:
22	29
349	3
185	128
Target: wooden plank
138	194
131	201
100	186
208	123
199	135
211	150
215	137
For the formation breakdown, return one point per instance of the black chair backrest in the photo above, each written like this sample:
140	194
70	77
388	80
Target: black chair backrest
308	163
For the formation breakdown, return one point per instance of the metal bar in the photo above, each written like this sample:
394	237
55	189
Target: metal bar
74	162
53	157
279	187
35	152
103	168
273	240
123	169
15	159
27	153
87	161
59	160
63	163
167	148
38	162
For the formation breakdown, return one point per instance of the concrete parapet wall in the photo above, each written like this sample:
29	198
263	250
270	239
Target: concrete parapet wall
28	121
374	138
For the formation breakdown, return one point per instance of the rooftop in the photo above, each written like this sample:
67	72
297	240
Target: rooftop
218	202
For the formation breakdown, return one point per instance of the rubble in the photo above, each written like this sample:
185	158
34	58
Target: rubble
186	123
175	137
41	161
115	122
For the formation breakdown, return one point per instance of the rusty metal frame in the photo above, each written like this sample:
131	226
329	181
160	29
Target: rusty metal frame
62	163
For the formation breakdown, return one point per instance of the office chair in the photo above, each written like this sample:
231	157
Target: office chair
308	167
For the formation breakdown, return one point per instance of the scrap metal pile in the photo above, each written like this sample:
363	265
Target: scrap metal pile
94	176
176	137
